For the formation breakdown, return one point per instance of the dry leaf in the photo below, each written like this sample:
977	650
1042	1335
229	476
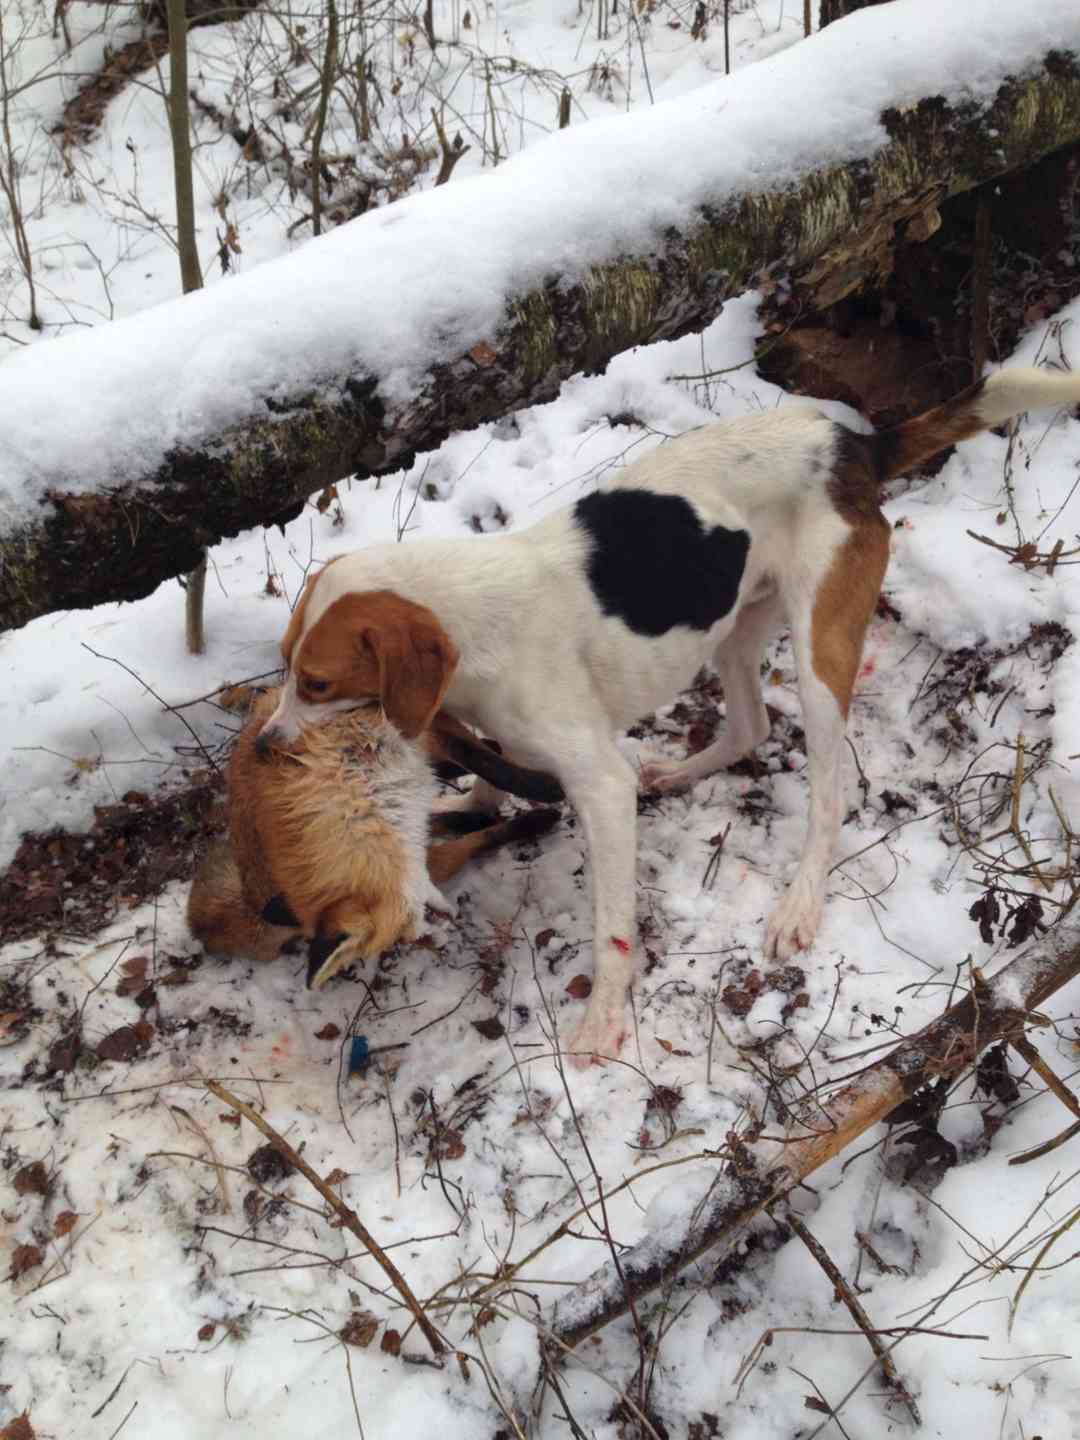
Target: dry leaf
127	1042
329	1031
391	1342
206	1332
64	1222
24	1258
19	1428
63	1053
490	1029
32	1179
359	1329
482	354
450	1144
267	1164
12	1026
580	987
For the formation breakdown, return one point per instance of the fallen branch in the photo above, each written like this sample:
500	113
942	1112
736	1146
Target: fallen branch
763	1172
348	1217
830	231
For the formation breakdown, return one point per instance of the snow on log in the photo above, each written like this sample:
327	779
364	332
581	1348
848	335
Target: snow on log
126	449
763	1172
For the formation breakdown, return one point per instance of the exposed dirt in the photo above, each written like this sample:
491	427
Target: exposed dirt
60	883
83	112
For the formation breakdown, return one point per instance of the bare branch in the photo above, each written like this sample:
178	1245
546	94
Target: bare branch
759	1174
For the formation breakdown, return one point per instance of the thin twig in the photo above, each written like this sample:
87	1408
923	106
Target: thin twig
348	1217
1065	1226
1023	1047
858	1314
1047	1145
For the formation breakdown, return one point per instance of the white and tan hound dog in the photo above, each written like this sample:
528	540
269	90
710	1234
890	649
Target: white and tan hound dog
556	638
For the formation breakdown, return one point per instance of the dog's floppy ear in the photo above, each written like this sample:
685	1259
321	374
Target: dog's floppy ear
416	659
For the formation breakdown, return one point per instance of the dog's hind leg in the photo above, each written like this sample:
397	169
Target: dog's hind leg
738	662
830	611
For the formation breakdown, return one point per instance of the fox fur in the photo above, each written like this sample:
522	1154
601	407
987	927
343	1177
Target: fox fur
331	839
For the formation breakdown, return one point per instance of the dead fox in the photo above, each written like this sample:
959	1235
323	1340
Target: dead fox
331	841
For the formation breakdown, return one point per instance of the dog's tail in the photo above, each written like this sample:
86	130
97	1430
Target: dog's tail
990	401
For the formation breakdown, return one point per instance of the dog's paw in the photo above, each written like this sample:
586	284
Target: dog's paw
598	1038
663	777
794	923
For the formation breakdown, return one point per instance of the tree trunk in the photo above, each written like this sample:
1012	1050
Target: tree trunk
180	134
190	270
836	9
326	84
826	237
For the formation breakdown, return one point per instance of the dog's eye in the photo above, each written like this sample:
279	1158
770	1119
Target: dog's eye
317	687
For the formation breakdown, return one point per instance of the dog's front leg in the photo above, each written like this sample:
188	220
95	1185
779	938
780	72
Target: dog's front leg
602	787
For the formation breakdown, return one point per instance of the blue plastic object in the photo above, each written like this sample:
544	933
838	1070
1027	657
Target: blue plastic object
359	1054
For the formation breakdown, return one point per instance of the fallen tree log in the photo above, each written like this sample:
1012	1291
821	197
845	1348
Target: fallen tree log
761	1173
66	543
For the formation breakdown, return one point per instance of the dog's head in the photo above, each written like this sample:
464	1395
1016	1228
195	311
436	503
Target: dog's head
343	647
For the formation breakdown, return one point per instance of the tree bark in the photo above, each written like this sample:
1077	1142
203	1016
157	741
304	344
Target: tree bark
180	134
825	237
190	271
836	9
326	84
764	1172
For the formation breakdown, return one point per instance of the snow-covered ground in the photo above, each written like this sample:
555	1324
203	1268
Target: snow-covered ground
189	1299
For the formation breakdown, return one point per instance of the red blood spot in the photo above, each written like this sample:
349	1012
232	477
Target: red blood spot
623	946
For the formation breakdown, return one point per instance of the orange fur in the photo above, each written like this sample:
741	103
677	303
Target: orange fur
844	606
219	915
312	826
373	645
299	610
304	825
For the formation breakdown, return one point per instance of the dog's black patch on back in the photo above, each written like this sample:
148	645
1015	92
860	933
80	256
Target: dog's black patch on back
654	565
